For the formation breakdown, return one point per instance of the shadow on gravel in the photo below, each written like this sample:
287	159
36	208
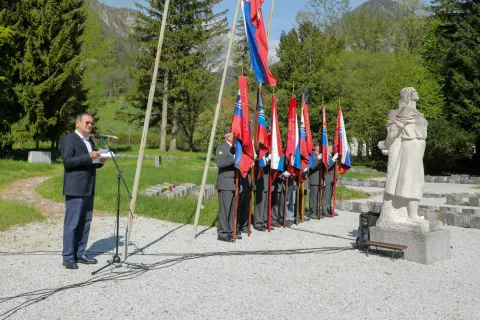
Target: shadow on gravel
140	250
103	246
321	234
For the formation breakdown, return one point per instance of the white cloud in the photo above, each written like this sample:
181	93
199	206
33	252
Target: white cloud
273	46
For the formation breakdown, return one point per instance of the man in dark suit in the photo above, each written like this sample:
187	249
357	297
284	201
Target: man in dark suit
314	176
225	159
260	219
278	201
80	162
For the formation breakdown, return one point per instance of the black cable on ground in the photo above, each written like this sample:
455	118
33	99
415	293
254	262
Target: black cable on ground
138	269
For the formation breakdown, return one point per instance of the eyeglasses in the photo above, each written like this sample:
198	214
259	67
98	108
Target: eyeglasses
89	122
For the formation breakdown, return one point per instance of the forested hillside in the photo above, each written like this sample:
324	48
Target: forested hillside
100	58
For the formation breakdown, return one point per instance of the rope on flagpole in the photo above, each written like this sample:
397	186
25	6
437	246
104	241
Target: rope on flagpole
146	124
215	121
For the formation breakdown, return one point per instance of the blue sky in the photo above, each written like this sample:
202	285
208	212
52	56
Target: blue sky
283	15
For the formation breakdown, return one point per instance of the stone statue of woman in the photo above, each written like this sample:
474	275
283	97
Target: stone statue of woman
405	146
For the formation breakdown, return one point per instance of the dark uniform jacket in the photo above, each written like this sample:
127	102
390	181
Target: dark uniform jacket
314	172
226	170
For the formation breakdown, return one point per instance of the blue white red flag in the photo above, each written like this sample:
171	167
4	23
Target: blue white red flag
276	141
241	130
324	139
262	135
306	145
257	40
341	144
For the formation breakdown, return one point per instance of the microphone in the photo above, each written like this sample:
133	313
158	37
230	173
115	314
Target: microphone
105	136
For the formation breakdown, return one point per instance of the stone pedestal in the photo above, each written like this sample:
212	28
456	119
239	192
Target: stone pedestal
425	248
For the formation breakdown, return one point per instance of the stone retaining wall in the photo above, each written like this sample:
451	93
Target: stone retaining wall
464	199
461	179
451	216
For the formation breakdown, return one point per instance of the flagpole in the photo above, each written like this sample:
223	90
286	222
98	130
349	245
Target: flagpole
303	202
320	191
302	103
285	203
215	121
146	124
235	206
269	192
255	142
335	188
321	169
270	20
297	189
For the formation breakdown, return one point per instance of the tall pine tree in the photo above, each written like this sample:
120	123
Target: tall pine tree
455	56
185	76
49	66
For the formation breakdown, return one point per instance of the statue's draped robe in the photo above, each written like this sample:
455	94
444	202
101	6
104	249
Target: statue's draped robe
406	180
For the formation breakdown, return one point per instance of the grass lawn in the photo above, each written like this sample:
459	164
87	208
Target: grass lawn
348	193
15	214
362	175
11	170
12	213
177	170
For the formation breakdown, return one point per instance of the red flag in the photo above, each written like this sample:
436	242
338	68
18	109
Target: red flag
293	143
310	143
241	129
337	148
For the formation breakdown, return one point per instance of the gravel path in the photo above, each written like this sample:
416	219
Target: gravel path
284	274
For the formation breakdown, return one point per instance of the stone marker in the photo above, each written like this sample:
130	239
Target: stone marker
40	157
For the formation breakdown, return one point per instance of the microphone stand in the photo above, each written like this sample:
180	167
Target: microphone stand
116	258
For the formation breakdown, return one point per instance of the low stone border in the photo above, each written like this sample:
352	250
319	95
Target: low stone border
169	190
460	179
363	170
452	216
464	199
362	182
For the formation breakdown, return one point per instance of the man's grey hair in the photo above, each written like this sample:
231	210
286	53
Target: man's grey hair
80	116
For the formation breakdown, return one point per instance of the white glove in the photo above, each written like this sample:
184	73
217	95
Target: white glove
335	157
269	158
319	157
286	174
306	169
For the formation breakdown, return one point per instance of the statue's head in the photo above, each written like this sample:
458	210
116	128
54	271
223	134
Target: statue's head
407	95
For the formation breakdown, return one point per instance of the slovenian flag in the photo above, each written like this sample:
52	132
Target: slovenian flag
341	143
275	142
262	135
241	130
292	152
257	40
324	139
